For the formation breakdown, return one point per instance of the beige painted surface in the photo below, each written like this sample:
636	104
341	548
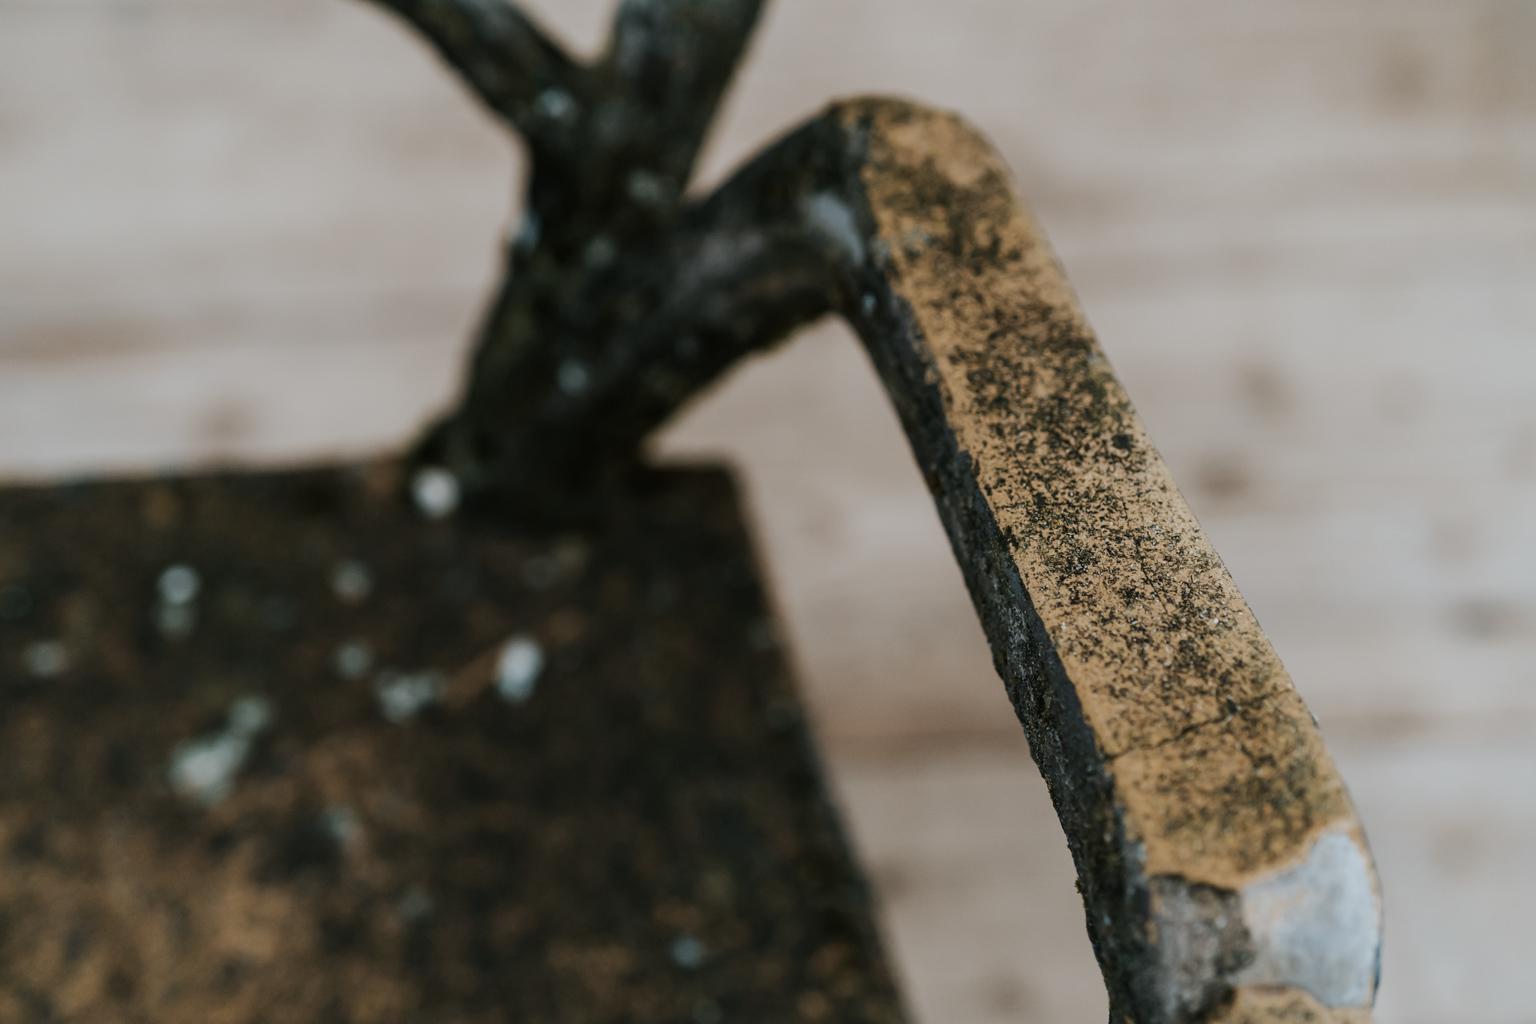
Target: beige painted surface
1305	232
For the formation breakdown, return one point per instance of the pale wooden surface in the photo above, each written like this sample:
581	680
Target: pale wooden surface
1305	231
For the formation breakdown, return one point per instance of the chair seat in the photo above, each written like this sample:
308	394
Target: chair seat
277	747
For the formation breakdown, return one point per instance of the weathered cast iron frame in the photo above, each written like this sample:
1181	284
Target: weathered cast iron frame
1224	872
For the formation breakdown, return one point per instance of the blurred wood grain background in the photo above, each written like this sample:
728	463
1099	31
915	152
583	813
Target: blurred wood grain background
260	229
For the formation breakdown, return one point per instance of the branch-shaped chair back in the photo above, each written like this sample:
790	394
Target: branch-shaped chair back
1224	872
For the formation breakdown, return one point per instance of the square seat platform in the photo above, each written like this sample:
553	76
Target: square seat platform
274	747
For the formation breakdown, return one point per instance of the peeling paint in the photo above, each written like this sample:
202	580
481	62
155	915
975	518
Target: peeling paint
517	669
830	217
435	490
404	696
203	770
45	659
1317	926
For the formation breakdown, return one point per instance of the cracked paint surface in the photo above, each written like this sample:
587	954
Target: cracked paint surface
1172	737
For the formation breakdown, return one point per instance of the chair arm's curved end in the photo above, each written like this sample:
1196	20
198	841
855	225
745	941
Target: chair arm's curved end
1225	873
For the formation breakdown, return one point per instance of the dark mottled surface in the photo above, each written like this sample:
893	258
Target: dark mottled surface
645	837
1182	762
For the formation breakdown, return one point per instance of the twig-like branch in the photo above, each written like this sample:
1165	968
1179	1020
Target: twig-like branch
671	61
685	310
613	146
582	358
504	58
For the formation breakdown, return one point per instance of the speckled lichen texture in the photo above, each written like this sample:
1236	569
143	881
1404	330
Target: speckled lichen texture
275	749
1183	762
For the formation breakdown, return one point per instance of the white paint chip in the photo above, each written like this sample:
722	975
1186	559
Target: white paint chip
46	659
528	232
203	770
250	716
517	669
341	824
435	491
404	696
351	581
555	104
600	252
574	378
831	218
352	660
688	952
179	585
1317	925
645	188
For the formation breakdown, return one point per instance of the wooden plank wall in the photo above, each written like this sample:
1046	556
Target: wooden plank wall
254	229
